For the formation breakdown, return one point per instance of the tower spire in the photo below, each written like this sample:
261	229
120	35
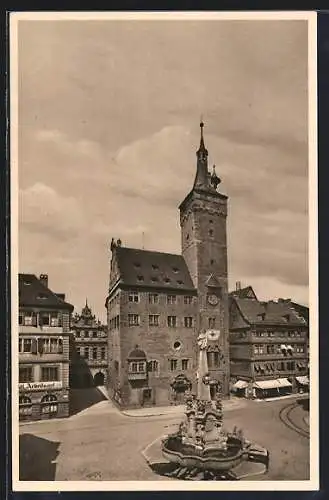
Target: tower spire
202	152
201	178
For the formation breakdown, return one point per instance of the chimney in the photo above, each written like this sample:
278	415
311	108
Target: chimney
238	286
44	279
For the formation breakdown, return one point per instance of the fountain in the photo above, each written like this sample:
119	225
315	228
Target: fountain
201	449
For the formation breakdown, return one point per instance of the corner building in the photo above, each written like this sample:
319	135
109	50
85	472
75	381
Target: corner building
158	303
43	350
268	345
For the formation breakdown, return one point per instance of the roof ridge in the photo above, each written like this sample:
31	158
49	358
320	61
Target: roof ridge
150	251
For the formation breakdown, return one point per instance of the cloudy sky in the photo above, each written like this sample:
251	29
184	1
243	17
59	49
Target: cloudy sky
108	128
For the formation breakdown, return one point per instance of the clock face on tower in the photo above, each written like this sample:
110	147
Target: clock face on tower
212	299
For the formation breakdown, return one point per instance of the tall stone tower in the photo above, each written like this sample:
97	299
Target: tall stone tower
204	247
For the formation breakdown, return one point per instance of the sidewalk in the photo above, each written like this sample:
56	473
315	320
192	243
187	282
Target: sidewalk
288	396
173	410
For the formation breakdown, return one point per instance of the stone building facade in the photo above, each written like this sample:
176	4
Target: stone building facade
158	303
268	346
43	350
88	353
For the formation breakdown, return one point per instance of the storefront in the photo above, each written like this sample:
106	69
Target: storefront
272	388
240	388
303	384
42	400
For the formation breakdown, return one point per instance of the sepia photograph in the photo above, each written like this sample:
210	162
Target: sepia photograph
164	251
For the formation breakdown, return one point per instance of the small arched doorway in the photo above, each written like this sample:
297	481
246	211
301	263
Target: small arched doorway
99	379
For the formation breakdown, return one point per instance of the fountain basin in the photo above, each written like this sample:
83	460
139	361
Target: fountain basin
216	459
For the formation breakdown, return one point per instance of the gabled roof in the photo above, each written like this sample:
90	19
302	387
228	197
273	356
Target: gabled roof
33	293
268	313
212	281
153	269
244	293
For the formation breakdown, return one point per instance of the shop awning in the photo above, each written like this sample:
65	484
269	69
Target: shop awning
303	380
283	347
240	384
284	382
267	384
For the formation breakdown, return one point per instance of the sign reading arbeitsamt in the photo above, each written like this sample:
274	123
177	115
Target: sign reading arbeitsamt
39	386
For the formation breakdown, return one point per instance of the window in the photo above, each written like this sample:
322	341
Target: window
171	321
20	318
25	407
211	232
78	351
137	366
91	334
44	319
155	267
171	299
270	349
116	366
180	282
290	365
25	345
177	345
133	296
49	373
185	364
86	353
154	320
25	374
49	405
212	262
153	366
51	345
172	365
54	319
94	352
30	319
140	278
211	322
188	322
188	299
154	279
133	319
103	353
175	269
82	334
153	298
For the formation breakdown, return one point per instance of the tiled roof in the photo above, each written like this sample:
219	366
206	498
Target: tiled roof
271	313
33	293
153	269
244	293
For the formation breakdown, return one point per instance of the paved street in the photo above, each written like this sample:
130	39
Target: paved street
100	443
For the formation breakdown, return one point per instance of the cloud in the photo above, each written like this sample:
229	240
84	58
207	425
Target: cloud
42	209
108	131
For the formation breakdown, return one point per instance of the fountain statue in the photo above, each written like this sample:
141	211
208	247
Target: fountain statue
201	444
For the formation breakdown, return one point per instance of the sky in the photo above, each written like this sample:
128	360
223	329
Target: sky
109	116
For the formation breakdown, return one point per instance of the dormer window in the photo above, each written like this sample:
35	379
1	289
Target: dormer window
41	296
167	280
140	278
155	267
154	279
180	282
175	269
287	317
137	264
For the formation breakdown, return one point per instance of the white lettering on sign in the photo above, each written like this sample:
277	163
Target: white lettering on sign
39	386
